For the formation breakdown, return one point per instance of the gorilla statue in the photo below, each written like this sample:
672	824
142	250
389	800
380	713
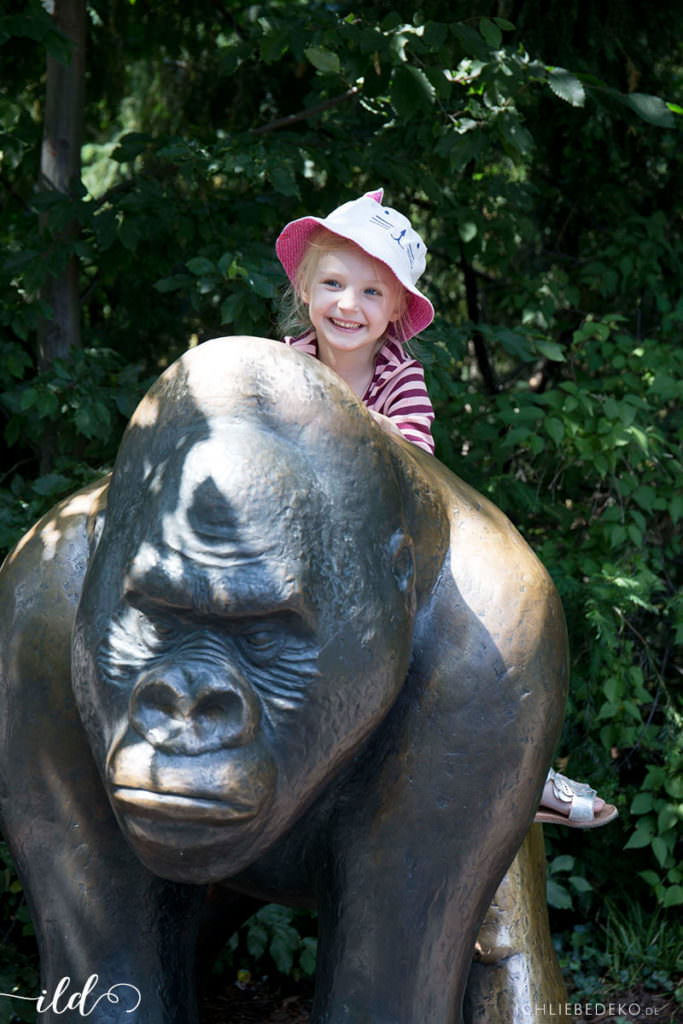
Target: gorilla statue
286	654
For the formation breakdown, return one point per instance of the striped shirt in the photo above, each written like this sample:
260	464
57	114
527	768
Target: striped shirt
397	389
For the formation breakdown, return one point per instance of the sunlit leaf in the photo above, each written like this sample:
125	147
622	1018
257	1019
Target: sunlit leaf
323	59
567	86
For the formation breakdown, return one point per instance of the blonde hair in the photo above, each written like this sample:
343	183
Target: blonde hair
294	318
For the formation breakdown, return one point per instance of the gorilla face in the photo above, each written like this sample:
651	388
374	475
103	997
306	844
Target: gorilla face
238	638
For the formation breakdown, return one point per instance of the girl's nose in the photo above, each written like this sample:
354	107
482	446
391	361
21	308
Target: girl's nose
348	299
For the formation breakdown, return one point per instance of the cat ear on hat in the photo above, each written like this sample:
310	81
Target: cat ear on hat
376	194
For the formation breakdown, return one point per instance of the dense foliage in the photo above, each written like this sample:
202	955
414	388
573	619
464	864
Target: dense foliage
539	151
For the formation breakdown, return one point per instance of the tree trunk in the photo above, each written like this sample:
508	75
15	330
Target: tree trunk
60	170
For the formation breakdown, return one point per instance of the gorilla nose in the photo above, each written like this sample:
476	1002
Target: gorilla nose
181	711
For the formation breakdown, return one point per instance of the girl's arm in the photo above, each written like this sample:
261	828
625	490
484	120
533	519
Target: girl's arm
406	404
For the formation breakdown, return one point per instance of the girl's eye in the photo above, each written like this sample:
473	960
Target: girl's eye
372	291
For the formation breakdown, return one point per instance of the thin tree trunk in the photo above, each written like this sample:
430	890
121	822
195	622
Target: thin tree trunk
480	350
60	170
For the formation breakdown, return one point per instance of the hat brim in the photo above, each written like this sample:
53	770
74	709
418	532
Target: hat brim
291	245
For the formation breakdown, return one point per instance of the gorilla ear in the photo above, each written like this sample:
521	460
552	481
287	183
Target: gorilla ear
402	561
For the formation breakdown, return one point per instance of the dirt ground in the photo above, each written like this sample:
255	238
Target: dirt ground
261	1003
265	1004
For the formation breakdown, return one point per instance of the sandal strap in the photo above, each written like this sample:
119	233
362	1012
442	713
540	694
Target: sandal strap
582	809
579	794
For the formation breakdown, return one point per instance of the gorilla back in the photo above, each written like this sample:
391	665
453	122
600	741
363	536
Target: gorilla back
281	651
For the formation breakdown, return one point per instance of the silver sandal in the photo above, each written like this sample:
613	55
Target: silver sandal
581	800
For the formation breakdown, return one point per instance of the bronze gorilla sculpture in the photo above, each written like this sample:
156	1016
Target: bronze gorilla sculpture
308	662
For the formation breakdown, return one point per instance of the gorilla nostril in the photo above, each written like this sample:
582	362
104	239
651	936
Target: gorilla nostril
157	711
193	712
221	711
158	699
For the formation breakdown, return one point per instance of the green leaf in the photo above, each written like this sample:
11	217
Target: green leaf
565	862
172	284
645	497
517	344
613	688
660	850
52	483
472	43
557	896
467	230
12	431
580	884
652	109
264	286
29	397
517	435
282	951
309	949
674	787
639	838
567	86
640	437
200	266
673	896
411	91
9	114
667	818
232	308
323	59
551	350
554	428
283	181
642	803
130	234
257	939
491	32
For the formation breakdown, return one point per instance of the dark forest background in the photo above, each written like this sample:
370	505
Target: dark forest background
149	155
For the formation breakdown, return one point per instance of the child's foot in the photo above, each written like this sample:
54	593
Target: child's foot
575	804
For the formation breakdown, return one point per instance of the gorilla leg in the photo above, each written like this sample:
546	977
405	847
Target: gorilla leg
95	909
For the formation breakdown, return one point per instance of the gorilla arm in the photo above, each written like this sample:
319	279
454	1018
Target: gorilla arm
55	814
459	763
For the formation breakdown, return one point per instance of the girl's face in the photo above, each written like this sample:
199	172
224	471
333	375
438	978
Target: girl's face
351	301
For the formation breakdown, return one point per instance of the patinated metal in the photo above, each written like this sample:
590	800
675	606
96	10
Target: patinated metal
282	652
515	977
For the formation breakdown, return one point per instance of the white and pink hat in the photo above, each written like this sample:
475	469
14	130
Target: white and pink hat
381	232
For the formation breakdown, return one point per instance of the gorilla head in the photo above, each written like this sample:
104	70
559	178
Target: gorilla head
246	619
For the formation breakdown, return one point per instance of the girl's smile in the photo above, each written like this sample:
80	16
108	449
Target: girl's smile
352	300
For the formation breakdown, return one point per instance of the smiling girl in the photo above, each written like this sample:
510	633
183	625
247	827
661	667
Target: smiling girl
354	302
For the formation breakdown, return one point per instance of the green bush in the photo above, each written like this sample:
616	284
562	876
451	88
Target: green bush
538	162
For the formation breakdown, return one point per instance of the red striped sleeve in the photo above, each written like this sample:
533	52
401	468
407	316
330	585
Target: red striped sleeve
398	391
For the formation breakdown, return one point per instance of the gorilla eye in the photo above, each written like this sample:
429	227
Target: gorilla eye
156	631
261	644
164	629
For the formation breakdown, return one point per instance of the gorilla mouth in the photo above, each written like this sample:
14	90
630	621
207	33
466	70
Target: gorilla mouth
173	808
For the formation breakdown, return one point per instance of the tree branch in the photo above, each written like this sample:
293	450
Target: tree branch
303	115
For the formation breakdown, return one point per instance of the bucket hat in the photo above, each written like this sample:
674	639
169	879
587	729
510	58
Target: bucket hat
381	232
